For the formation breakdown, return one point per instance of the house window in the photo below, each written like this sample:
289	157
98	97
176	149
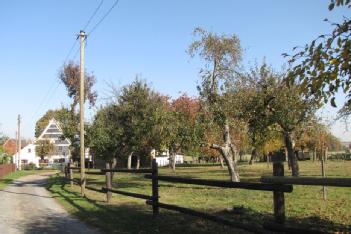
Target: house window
29	150
60	148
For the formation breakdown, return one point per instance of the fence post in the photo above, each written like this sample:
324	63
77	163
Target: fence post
278	197
108	184
66	171
70	173
155	208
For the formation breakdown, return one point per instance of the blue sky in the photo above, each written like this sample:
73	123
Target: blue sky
145	38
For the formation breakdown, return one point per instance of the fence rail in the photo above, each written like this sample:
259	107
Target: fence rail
278	184
225	184
141	170
282	180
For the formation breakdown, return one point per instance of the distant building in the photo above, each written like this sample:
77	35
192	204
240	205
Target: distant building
10	145
54	134
163	159
346	144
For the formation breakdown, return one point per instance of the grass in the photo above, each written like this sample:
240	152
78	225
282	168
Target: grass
305	206
4	181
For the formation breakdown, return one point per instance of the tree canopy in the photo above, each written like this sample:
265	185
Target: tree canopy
323	67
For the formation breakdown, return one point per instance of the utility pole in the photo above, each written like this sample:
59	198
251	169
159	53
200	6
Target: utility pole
19	142
16	155
82	37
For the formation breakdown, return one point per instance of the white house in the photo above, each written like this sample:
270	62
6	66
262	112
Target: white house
54	134
163	159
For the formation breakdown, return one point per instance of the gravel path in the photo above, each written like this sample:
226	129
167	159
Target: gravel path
27	207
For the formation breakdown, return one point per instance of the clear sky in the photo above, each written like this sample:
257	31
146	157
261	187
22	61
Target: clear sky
145	38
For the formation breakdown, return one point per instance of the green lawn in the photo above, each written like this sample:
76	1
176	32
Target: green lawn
304	206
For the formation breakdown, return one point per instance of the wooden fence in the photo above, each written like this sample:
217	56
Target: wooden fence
6	169
278	184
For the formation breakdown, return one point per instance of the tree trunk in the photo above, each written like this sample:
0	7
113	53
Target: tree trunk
221	161
291	156
303	152
129	164
253	156
138	162
228	152
172	161
314	154
113	165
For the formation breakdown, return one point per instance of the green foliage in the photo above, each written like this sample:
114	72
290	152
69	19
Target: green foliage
221	54
30	166
135	122
43	148
104	136
3	139
183	130
322	67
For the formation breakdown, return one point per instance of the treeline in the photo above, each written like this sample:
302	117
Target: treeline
256	110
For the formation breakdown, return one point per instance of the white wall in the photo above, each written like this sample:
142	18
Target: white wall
164	160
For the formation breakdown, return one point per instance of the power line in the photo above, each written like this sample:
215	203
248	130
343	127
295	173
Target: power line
70	51
51	92
103	18
92	16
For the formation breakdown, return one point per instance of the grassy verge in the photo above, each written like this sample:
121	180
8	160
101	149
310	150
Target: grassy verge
304	207
4	181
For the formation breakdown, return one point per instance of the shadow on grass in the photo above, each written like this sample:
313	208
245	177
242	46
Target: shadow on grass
137	218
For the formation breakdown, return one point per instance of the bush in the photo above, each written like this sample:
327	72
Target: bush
30	166
340	156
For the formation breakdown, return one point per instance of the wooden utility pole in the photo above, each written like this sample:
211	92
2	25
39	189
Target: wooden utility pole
82	37
19	142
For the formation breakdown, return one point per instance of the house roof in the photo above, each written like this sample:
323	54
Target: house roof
54	133
10	145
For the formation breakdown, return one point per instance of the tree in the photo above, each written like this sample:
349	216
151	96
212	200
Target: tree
133	124
70	77
104	136
251	101
290	110
3	138
221	54
43	148
269	106
323	66
183	134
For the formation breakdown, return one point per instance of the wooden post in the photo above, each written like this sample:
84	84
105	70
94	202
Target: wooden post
70	173
108	184
278	197
66	171
155	208
324	189
81	115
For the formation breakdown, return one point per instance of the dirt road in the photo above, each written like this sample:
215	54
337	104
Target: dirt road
27	207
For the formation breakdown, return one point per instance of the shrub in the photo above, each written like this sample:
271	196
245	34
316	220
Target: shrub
30	166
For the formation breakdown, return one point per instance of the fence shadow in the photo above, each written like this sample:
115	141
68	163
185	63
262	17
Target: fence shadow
137	218
134	217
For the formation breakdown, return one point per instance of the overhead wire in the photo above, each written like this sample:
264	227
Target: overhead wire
93	15
103	18
51	92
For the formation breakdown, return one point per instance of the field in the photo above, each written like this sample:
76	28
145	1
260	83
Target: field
305	206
